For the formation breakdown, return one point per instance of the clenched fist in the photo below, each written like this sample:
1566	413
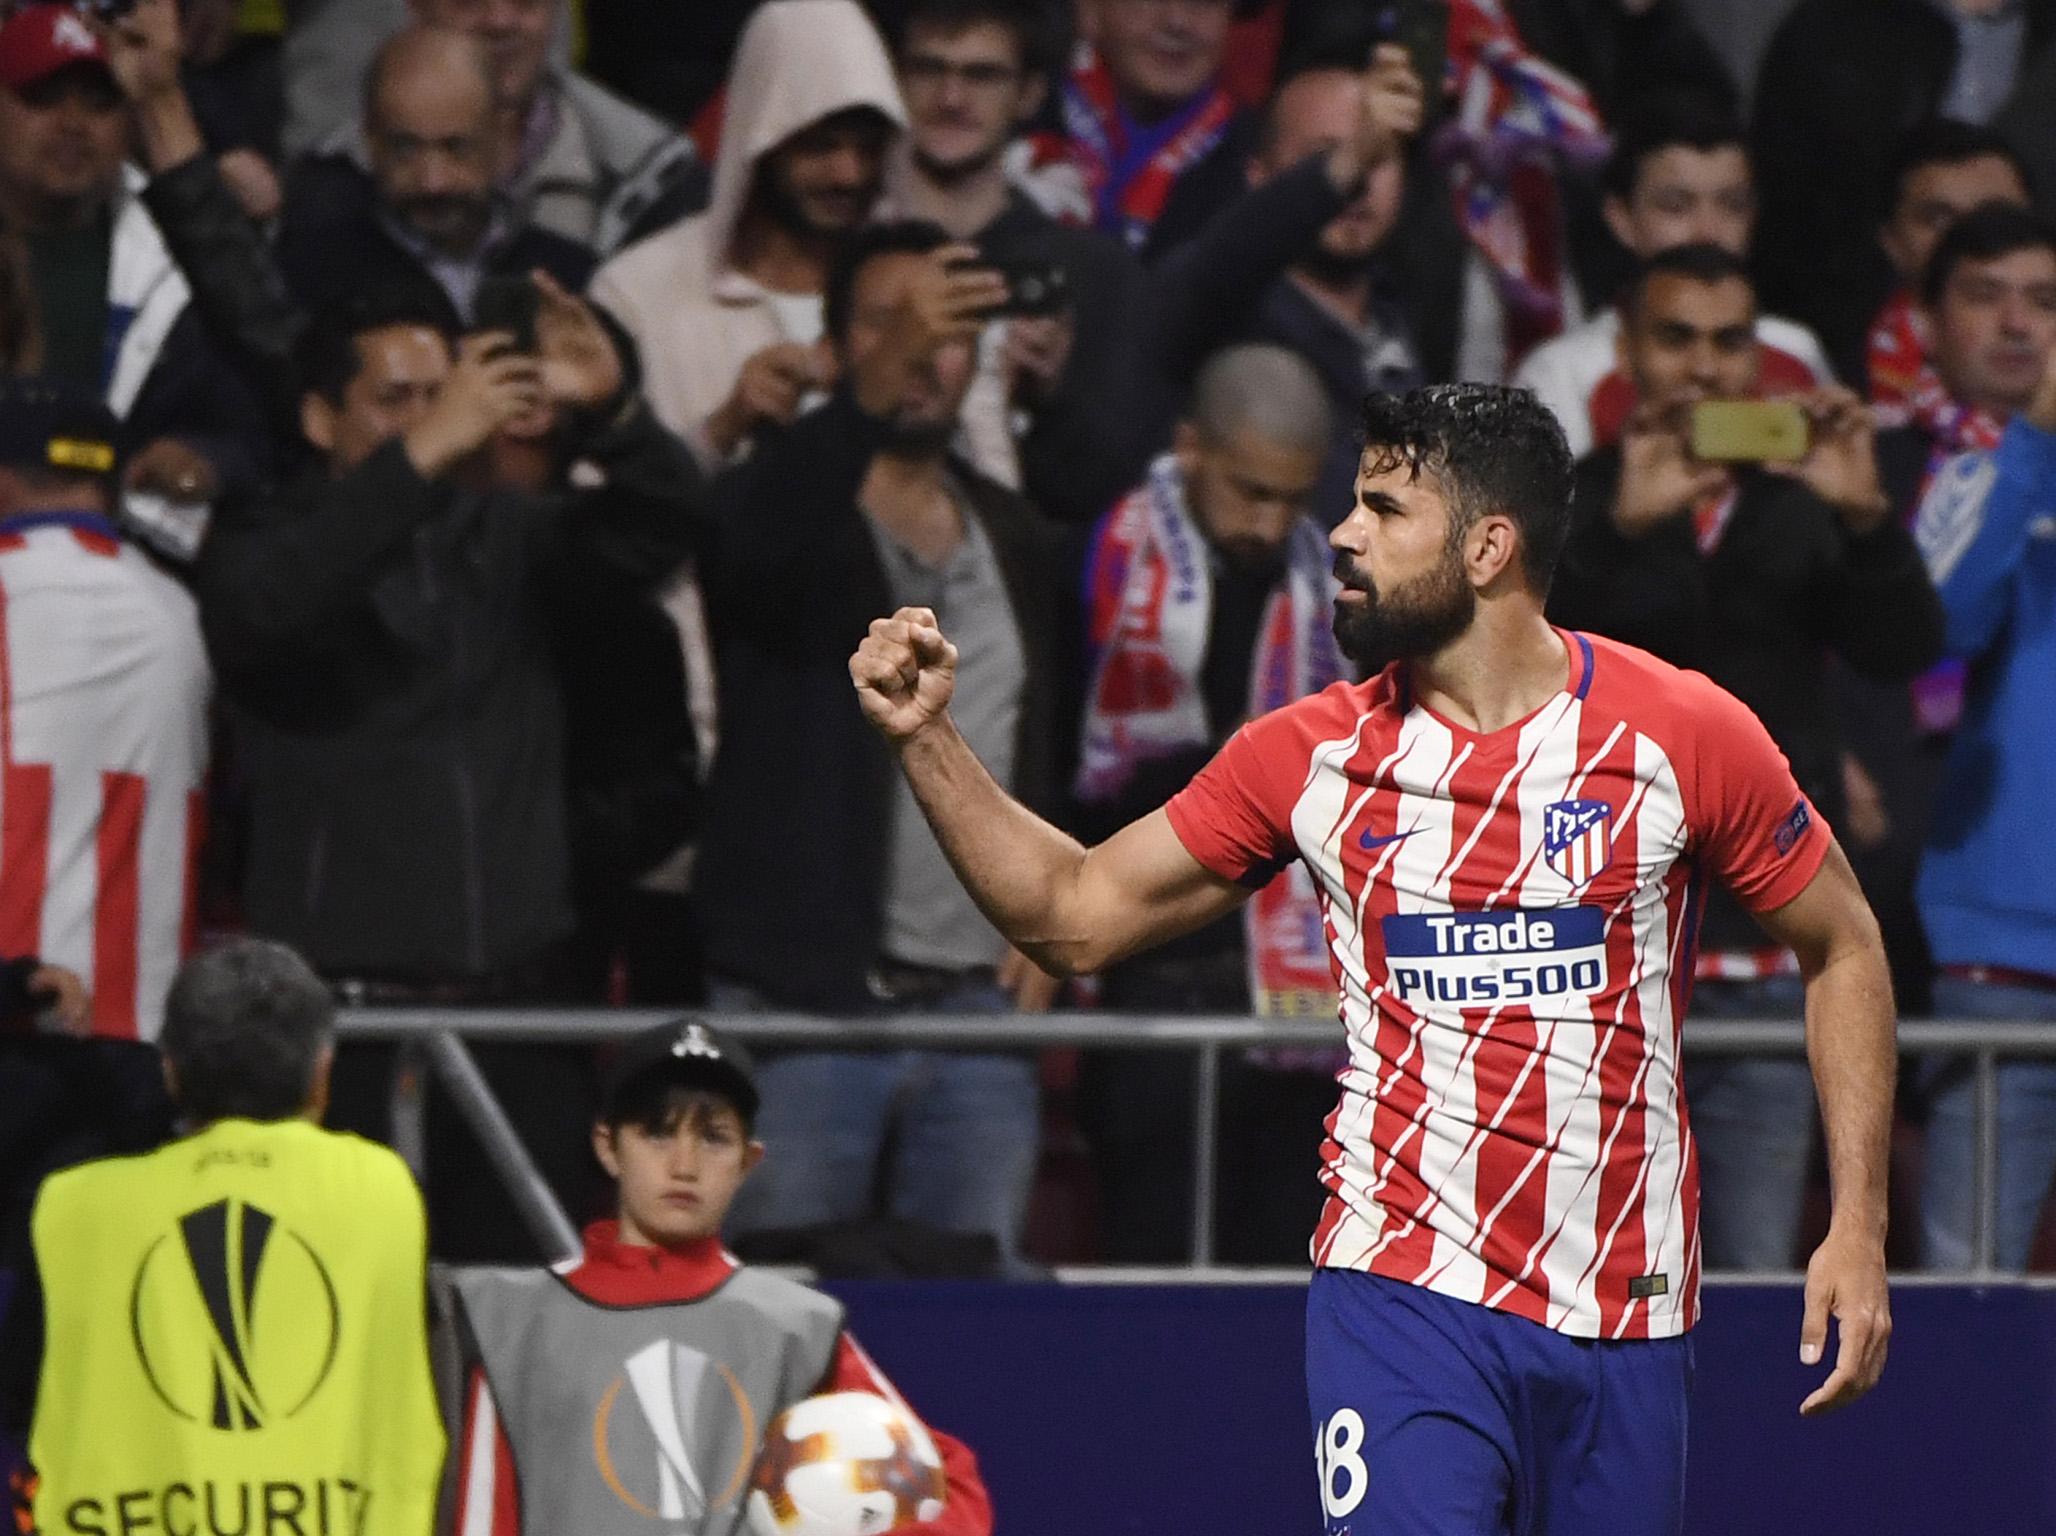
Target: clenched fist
905	672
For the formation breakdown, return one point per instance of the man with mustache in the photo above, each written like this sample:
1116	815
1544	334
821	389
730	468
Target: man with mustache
418	212
575	158
1505	824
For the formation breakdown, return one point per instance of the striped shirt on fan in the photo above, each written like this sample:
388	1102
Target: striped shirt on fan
1510	921
103	754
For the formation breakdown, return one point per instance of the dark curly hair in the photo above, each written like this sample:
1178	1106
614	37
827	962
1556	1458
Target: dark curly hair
1491	449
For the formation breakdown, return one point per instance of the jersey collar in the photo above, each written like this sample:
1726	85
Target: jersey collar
78	521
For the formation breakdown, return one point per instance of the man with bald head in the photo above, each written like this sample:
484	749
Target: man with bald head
573	157
419	211
1210	602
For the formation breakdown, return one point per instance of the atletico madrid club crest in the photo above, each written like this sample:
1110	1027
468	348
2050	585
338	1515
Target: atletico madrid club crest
1577	838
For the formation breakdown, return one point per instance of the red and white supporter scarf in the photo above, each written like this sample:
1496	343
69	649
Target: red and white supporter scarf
1519	121
1145	699
1896	357
1098	147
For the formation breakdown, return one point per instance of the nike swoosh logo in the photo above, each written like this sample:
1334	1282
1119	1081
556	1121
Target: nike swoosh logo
1369	841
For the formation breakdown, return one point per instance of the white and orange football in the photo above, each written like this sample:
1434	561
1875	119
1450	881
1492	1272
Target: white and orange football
845	1464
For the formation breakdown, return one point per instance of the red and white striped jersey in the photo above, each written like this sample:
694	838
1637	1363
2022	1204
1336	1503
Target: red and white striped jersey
1510	921
103	753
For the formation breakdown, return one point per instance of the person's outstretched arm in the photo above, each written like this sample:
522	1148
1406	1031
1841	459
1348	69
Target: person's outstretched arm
1070	909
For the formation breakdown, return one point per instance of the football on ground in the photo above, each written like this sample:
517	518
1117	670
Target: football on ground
845	1464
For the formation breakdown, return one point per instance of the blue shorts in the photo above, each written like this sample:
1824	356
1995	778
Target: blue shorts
1437	1417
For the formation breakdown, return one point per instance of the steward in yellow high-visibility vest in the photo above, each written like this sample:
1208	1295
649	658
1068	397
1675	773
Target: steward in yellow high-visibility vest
235	1333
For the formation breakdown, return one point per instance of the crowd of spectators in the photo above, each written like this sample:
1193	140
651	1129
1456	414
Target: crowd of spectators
449	450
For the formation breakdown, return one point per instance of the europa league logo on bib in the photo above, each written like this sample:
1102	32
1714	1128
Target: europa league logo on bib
234	1318
648	1417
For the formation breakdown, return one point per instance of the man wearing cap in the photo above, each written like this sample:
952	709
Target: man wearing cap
103	751
565	1369
114	307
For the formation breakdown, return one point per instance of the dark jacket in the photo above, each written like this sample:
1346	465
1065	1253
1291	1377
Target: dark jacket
1213	181
1080	455
1229	286
1786	589
792	863
238	294
1619	57
2030	127
332	246
193	391
1877	724
385	642
1843	82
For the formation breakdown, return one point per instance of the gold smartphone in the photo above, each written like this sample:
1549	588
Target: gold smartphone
1748	431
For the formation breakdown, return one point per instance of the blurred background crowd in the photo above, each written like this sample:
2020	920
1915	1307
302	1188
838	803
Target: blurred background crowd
450	448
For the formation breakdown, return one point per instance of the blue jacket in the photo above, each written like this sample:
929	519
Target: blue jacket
1988	530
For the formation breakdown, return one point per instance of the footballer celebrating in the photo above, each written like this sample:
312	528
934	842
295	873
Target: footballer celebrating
1508	825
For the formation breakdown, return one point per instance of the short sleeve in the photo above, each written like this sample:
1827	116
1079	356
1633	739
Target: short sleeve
1235	817
1757	832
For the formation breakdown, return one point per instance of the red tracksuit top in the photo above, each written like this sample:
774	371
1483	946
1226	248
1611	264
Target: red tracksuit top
619	1274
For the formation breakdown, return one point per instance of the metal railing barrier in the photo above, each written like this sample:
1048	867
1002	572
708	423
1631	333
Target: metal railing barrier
433	1041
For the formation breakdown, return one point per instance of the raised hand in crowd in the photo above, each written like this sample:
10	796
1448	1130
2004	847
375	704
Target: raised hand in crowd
581	367
253	183
769	390
1393	107
143	53
489	387
1660	479
947	302
1840	466
1034	353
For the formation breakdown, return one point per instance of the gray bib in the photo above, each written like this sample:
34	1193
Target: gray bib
642	1421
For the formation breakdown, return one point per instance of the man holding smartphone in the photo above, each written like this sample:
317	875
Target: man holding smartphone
973	73
1755	570
383	628
822	887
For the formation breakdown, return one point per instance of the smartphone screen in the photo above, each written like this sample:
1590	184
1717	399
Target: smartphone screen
1749	431
1034	287
507	304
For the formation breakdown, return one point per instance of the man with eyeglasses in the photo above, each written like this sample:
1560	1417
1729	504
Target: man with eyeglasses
972	73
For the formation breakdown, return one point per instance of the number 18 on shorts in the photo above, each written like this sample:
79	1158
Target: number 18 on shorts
1439	1417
